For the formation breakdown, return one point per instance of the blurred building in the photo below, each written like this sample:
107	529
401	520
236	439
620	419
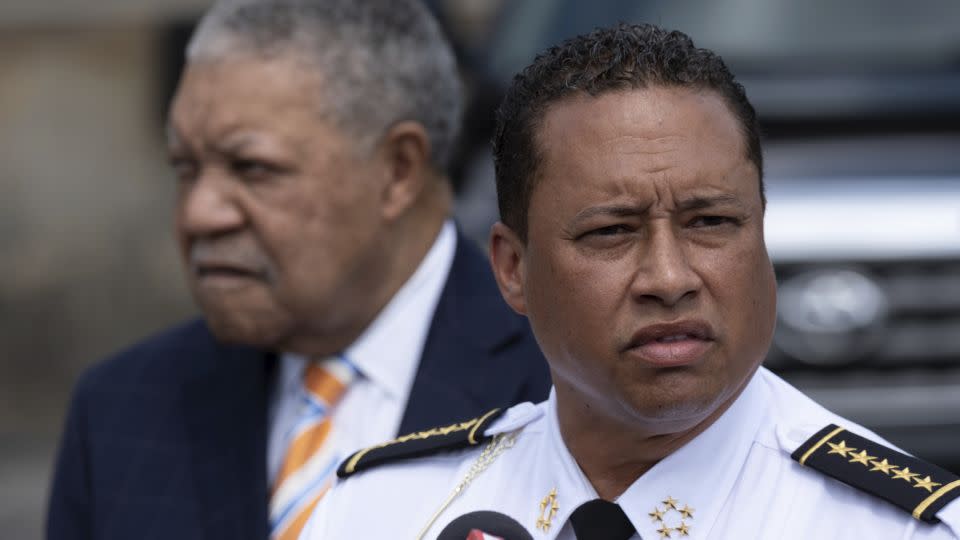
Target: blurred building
85	239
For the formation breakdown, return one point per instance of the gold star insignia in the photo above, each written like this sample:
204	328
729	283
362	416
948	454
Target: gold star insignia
883	467
683	529
841	448
664	532
904	474
687	512
657	514
671	502
927	484
862	458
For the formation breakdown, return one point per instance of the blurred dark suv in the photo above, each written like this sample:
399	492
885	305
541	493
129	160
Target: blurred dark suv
860	104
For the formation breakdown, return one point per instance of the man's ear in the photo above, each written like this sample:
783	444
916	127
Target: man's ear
405	150
507	258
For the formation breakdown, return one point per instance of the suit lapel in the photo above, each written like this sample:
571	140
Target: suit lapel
458	365
225	408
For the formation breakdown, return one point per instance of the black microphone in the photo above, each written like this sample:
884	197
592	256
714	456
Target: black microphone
492	523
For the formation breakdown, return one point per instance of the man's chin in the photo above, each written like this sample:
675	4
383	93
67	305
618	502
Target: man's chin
675	413
247	331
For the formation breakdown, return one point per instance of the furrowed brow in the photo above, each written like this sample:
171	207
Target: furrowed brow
699	203
615	211
237	143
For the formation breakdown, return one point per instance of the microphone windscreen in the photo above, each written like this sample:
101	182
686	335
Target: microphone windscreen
477	534
486	521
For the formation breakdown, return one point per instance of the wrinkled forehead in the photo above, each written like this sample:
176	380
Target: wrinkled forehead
256	71
217	97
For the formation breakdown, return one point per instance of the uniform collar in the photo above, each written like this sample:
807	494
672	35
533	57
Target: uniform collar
699	476
388	351
556	473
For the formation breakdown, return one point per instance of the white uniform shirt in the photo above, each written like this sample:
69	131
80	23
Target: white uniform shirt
736	479
387	355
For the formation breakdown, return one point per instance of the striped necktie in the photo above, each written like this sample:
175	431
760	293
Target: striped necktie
310	465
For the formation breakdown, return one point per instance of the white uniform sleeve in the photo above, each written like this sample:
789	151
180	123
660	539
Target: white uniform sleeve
950	517
947	529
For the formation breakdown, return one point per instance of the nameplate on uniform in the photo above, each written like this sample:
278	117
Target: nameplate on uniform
421	443
918	487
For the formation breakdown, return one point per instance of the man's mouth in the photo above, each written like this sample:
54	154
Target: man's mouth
219	270
671	344
223	275
678	337
233	261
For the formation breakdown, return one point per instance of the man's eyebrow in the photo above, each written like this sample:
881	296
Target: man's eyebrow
232	143
614	210
236	142
698	203
692	203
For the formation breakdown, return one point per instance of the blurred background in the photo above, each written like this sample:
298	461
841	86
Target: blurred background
860	102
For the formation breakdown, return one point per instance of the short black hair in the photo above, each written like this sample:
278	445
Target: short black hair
622	57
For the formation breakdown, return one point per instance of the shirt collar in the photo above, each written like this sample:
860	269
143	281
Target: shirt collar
700	475
562	476
388	351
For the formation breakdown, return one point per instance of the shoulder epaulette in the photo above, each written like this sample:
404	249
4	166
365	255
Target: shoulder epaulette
422	443
916	486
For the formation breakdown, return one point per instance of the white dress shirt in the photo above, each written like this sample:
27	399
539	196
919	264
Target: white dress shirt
387	355
736	480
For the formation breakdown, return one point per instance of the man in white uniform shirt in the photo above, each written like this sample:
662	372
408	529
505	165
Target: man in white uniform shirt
629	177
310	140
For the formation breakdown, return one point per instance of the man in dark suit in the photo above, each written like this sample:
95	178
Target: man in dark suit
309	140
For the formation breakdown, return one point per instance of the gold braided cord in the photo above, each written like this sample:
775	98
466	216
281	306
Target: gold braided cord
498	445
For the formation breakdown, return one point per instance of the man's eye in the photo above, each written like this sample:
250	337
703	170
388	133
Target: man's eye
609	230
252	169
713	221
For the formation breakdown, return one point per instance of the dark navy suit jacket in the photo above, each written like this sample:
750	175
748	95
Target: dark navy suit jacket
167	440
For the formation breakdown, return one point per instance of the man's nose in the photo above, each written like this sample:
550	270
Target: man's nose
208	206
665	274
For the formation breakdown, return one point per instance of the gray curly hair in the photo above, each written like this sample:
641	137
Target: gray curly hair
381	61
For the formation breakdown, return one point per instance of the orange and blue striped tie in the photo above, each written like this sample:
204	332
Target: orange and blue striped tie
309	468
